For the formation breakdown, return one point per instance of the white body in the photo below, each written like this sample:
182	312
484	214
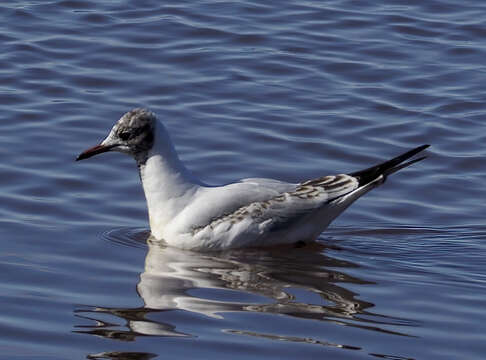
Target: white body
187	214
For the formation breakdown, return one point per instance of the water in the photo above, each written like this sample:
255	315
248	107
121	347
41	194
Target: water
291	90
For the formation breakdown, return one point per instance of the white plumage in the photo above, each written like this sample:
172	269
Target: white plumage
186	213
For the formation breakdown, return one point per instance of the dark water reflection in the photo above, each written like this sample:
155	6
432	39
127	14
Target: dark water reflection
178	285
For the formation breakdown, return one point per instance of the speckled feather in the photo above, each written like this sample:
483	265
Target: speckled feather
315	193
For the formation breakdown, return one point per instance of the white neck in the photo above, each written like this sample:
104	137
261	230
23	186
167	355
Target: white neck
167	183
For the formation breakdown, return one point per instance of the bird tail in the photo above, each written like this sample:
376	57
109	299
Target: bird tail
388	167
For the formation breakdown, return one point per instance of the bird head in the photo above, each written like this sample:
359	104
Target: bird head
133	134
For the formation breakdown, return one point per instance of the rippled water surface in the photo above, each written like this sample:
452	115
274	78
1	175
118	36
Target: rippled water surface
290	90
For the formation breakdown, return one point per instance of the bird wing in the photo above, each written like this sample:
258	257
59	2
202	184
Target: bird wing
266	209
269	184
286	208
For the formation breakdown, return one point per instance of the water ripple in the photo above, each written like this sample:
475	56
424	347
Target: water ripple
292	90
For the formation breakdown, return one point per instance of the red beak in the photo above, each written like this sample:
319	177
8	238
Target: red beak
95	150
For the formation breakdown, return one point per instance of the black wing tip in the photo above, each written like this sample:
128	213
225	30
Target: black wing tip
422	147
402	165
389	167
408	154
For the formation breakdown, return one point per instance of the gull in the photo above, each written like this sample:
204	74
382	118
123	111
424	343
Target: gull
186	213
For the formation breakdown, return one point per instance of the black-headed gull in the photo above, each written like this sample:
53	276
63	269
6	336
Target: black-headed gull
186	213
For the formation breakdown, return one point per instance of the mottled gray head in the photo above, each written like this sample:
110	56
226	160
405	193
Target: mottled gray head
133	134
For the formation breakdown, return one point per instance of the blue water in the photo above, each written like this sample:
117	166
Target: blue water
289	90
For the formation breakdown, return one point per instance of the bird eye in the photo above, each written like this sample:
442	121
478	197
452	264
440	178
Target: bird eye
124	135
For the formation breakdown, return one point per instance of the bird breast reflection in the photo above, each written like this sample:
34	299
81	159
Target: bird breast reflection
297	282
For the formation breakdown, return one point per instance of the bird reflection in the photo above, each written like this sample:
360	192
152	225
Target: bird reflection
119	355
170	273
298	282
